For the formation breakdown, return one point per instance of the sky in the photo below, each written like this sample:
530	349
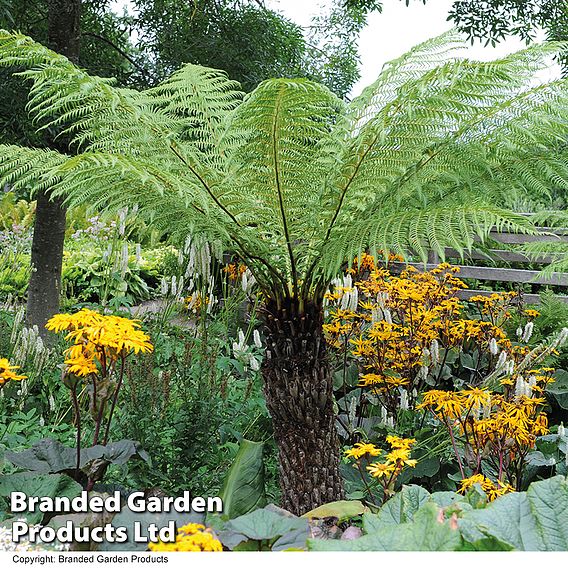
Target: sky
393	32
397	29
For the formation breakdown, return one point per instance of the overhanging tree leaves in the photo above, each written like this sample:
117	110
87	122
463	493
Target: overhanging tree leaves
492	21
297	183
250	41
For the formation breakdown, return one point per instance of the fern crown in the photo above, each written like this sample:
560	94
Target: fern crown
291	178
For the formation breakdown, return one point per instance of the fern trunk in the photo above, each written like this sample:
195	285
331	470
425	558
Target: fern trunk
298	386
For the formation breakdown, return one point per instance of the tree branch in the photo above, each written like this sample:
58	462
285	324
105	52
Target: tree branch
120	51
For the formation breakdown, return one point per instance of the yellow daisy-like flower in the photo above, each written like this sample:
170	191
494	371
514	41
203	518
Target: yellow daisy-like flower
98	340
400	443
361	449
475	398
7	372
192	537
379	469
81	366
400	457
491	489
442	403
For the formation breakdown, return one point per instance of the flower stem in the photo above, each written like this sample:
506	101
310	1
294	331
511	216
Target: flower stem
78	419
114	400
451	431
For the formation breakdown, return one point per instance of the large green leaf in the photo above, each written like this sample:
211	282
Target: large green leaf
295	539
265	524
38	485
485	544
425	532
243	487
51	456
343	510
534	520
559	388
448	498
400	509
45	456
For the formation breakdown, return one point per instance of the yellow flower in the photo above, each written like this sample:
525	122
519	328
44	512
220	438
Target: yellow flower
491	489
540	426
192	537
379	470
7	372
444	404
98	340
400	443
361	449
475	398
371	379
400	457
81	366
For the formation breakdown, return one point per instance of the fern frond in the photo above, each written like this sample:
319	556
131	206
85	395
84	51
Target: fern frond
293	179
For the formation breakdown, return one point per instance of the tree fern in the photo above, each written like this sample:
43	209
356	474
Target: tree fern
293	172
297	182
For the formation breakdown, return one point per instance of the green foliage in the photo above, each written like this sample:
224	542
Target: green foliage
14	278
493	20
14	211
190	403
94	277
342	510
38	485
243	487
16	217
559	389
23	429
251	42
262	529
424	532
105	50
319	177
534	520
531	520
50	456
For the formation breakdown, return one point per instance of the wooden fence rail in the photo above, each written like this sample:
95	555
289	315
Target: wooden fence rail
500	256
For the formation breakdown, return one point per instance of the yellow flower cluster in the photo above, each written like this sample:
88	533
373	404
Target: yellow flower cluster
491	489
192	537
235	270
361	449
386	471
495	306
7	372
447	405
195	303
98	340
367	262
400	319
501	428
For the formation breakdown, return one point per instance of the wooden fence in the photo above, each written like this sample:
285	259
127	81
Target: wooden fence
501	257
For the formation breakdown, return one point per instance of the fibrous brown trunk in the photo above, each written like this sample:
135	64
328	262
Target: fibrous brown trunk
49	227
298	387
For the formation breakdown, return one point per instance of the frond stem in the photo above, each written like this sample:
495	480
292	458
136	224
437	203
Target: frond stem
280	197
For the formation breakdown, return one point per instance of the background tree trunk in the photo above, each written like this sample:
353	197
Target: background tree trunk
49	227
298	386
